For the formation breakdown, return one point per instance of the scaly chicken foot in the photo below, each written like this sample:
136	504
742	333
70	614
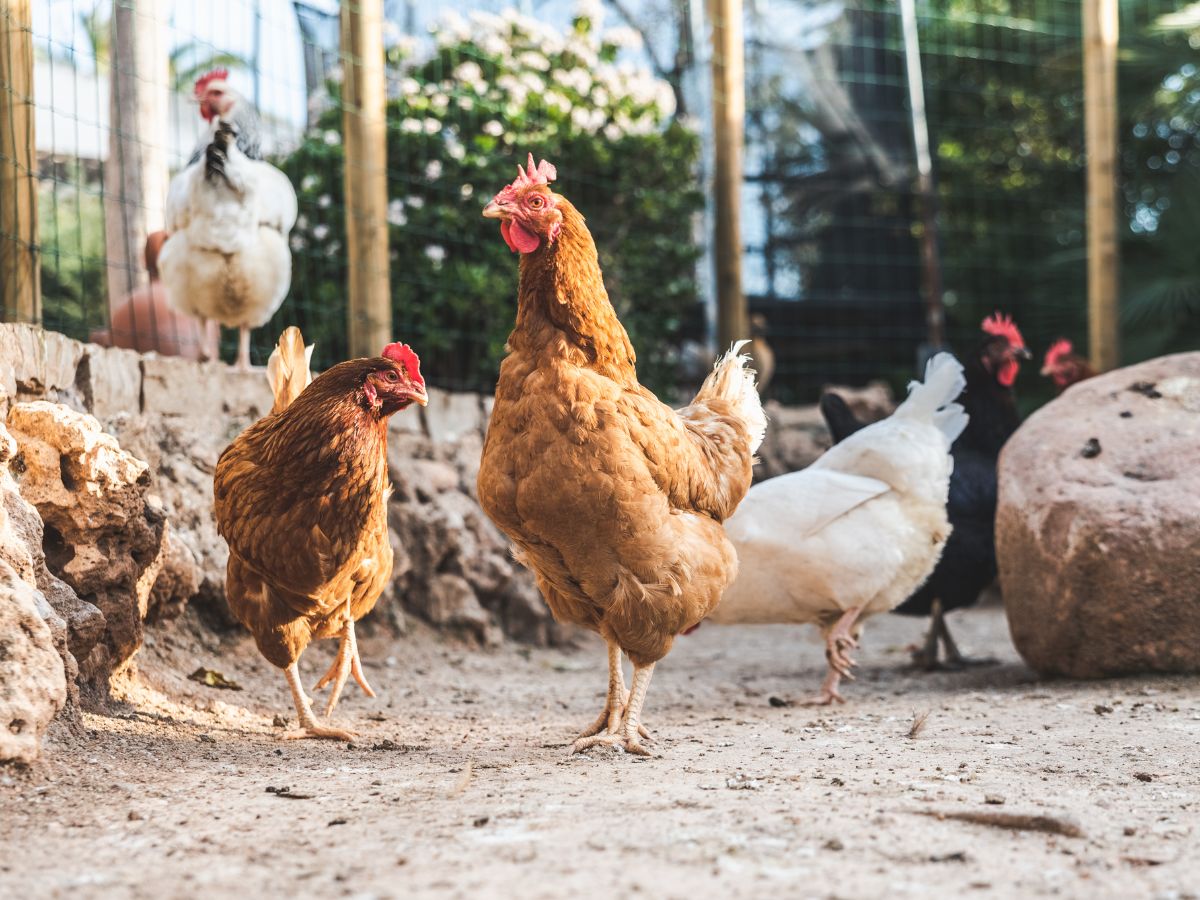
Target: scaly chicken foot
309	728
839	641
346	663
615	704
629	729
926	656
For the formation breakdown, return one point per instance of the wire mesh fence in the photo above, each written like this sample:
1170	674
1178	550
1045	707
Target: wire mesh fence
615	95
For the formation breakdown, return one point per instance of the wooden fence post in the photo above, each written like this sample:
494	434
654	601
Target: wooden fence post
1100	31
19	270
364	101
729	121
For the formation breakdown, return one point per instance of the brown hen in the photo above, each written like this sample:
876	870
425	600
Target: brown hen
301	499
614	500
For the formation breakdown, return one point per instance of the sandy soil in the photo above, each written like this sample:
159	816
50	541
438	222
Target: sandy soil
460	785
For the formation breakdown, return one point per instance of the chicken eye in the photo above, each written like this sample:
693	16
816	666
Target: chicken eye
537	201
391	375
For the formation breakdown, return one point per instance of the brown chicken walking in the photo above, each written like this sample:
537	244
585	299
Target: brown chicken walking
301	499
614	500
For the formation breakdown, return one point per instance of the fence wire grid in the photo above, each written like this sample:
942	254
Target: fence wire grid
616	94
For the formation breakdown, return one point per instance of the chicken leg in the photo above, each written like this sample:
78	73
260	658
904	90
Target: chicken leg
308	722
212	339
243	357
926	656
346	663
628	729
838	643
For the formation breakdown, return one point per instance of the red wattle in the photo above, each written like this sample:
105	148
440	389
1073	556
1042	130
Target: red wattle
1008	372
504	229
522	238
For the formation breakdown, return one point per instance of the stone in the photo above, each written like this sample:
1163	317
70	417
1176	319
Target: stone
450	602
111	381
1099	553
34	362
182	455
102	536
178	581
245	395
449	415
33	684
172	386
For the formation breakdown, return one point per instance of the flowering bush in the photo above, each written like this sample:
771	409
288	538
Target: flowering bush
460	116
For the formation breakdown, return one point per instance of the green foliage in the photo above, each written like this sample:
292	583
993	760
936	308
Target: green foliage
459	119
74	275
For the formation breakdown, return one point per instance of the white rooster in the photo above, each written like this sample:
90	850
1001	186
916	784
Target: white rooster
855	533
227	259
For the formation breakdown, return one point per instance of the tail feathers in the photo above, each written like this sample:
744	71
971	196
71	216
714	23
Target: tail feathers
839	417
288	368
932	400
732	380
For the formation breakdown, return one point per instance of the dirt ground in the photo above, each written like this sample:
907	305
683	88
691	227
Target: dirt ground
461	786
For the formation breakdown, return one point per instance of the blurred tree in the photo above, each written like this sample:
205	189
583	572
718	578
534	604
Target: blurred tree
494	89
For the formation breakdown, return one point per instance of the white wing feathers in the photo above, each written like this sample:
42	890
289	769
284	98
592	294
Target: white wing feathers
808	501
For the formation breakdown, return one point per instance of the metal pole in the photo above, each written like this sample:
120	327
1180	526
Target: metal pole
931	265
363	115
729	120
19	269
1100	33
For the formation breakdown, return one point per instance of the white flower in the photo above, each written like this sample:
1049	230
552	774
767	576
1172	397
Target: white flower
556	101
612	132
410	126
492	127
436	254
494	45
439	101
624	37
409	87
391	34
468	72
532	60
395	212
324	201
532	83
456	150
414	201
433	169
332	138
577	79
467	103
321	231
432	126
466	191
451	29
308	182
593	10
297	242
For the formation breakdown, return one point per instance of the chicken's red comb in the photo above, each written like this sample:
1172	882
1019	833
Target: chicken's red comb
212	75
1060	348
407	357
542	173
1003	326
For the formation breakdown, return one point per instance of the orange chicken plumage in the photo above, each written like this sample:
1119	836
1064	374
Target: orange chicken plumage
614	500
301	499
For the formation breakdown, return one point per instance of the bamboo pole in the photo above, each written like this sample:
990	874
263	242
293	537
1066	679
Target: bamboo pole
1100	32
20	290
363	116
729	118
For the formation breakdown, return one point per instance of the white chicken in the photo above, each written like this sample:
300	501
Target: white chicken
855	533
227	259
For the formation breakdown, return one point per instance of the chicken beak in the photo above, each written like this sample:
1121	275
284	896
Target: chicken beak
1022	353
419	397
493	211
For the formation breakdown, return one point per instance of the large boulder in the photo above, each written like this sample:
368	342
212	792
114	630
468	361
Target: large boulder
36	668
102	535
33	684
1098	525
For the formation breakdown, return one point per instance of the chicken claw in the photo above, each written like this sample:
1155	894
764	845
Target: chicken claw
828	694
623	729
346	663
839	641
308	722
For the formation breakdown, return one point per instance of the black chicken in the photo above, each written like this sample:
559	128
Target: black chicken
968	564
